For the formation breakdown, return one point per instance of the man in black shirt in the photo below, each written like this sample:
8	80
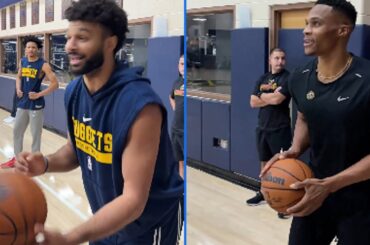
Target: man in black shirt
177	104
332	94
273	131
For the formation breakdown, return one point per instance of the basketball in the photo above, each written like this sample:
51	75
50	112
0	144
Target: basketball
275	184
22	204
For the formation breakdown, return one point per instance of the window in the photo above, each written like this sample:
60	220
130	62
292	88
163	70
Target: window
59	58
135	49
49	10
209	52
3	19
35	12
12	16
9	59
65	5
23	14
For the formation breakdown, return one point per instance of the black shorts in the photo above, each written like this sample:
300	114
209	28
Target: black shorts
350	225
270	142
177	140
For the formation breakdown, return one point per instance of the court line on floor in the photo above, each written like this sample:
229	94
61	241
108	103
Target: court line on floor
65	202
55	194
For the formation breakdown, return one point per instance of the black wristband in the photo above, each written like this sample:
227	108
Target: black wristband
46	161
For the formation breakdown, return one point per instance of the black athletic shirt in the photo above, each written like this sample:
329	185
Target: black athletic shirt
177	93
273	117
338	118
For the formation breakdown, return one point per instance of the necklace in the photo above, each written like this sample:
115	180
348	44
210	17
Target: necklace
323	78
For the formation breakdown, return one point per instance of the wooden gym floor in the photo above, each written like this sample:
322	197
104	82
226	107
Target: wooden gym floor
217	214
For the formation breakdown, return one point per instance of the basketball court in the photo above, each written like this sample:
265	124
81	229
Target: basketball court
217	214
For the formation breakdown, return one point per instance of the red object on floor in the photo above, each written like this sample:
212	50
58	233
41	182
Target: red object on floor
8	164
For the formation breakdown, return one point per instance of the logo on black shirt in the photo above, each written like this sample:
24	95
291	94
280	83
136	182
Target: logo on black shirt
310	95
269	87
340	98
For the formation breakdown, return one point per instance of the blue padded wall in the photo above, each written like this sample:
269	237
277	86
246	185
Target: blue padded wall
49	109
249	53
163	58
291	40
359	43
7	88
59	112
194	133
215	125
5	3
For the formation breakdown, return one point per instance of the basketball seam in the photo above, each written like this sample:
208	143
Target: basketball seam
304	172
288	204
287	172
23	217
14	226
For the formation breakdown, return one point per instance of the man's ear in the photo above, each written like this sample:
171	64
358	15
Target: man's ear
344	30
112	42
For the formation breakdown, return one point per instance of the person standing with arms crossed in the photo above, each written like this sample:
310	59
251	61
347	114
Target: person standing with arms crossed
177	130
31	102
118	137
274	131
332	94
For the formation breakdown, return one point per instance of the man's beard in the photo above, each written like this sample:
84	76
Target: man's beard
90	65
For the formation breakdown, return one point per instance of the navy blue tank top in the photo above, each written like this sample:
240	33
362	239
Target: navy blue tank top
98	125
32	77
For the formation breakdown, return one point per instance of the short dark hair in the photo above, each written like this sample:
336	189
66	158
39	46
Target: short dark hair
276	49
33	39
104	12
342	6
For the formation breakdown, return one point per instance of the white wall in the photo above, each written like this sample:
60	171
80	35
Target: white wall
260	9
171	10
57	24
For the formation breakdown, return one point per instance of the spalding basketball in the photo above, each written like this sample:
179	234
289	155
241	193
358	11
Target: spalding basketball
22	205
275	184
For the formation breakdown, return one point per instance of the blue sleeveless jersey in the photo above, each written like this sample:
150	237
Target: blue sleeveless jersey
32	77
98	125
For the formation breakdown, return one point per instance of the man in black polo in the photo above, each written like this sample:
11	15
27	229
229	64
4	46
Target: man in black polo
273	131
177	130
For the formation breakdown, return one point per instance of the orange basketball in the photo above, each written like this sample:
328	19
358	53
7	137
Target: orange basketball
275	184
22	204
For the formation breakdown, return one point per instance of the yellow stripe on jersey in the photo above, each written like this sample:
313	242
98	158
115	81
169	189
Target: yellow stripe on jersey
105	158
29	72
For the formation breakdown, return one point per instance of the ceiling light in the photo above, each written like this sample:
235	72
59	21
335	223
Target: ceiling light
199	19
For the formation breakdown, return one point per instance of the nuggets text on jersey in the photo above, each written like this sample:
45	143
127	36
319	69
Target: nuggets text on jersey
93	142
